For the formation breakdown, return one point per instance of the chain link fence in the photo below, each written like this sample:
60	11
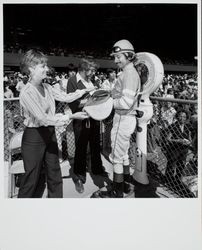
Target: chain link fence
171	160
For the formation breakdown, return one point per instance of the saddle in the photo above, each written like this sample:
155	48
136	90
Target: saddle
99	105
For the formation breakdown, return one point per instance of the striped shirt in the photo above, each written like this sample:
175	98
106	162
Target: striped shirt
126	88
39	110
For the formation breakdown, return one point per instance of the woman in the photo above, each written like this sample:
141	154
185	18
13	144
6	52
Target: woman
39	144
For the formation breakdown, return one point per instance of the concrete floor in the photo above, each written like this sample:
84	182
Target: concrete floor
94	183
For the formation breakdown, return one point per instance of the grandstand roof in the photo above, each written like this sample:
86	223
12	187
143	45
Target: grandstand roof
169	30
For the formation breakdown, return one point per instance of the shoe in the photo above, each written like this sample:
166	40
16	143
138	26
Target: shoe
107	194
79	186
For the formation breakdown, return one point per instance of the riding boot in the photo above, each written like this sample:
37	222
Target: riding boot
117	188
127	187
127	179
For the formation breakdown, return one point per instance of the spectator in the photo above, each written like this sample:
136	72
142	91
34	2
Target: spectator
86	131
168	113
109	83
7	91
170	93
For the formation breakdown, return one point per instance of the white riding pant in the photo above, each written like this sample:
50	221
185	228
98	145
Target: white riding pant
123	127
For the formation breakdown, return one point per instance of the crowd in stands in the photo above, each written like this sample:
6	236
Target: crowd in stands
102	53
59	51
174	86
13	83
180	86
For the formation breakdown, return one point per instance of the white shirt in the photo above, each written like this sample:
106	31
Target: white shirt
64	83
169	115
108	85
8	94
85	83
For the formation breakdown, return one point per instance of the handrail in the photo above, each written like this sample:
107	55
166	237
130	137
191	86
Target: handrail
154	98
164	99
12	99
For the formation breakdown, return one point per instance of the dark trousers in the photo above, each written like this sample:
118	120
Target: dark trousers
83	135
40	150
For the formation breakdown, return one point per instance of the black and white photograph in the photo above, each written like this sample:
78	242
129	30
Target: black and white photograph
91	123
101	104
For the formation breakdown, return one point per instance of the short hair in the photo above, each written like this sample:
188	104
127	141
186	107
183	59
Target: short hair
86	64
181	111
109	71
31	58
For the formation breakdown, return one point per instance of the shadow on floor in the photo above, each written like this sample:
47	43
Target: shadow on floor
145	191
99	181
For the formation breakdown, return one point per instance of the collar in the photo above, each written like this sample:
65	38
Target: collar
78	77
85	83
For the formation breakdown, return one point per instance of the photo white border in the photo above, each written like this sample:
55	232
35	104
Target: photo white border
97	224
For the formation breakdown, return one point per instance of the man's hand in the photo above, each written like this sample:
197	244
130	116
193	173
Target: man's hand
90	89
79	116
83	102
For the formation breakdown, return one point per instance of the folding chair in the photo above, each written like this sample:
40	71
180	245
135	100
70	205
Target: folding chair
15	165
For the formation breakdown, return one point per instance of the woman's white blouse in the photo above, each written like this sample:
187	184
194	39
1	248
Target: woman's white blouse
39	110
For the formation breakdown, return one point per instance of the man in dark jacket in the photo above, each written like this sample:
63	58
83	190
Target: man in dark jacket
86	131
